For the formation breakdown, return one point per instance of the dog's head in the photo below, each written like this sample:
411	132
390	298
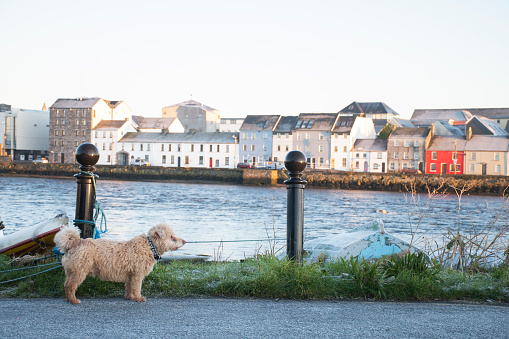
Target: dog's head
164	239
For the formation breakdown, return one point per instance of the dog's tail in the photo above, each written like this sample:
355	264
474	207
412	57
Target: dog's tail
67	238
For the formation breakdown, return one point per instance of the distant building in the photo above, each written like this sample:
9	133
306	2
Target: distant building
158	125
345	132
24	133
106	135
194	116
406	148
379	112
282	139
72	120
256	135
231	124
372	154
199	149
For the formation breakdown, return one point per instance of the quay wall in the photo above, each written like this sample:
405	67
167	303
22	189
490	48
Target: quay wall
492	185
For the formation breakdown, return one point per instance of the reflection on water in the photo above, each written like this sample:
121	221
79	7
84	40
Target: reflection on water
210	212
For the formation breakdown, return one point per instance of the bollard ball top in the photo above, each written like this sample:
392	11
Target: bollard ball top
295	161
87	154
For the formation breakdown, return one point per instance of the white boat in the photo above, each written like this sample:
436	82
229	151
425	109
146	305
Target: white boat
366	242
34	239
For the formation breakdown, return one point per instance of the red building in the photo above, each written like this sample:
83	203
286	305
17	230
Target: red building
445	155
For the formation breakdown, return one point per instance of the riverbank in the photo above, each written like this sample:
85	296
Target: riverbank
491	185
267	277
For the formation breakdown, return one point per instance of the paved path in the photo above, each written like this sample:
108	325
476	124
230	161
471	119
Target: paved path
248	318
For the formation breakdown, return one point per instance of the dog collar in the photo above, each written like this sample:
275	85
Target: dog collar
154	250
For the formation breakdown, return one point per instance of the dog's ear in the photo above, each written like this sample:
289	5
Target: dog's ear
160	233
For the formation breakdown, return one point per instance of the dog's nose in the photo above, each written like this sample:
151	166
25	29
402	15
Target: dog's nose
183	242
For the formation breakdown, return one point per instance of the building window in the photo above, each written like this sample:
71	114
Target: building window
244	136
498	169
497	156
473	156
56	132
307	148
141	147
217	162
218	148
186	160
356	164
192	148
433	155
76	143
84	122
227	161
252	148
253	136
178	147
227	148
416	143
172	159
77	122
278	148
375	166
110	146
287	148
336	148
169	147
148	147
244	148
407	143
265	148
132	147
405	155
393	166
162	147
265	135
454	155
396	155
298	147
299	136
163	159
364	155
322	136
345	135
201	147
396	142
320	148
306	136
344	149
210	148
379	155
104	146
321	161
201	160
357	155
472	168
343	162
108	158
416	155
433	167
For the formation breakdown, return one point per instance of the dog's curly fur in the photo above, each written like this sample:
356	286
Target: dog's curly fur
127	261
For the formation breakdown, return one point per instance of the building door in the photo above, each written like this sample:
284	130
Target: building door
383	167
484	169
444	168
365	166
332	163
62	157
178	162
210	162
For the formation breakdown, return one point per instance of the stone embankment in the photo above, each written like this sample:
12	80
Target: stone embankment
316	179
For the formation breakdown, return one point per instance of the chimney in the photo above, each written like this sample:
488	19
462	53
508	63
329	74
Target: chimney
469	133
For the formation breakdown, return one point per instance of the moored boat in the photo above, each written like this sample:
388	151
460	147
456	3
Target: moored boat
35	239
369	241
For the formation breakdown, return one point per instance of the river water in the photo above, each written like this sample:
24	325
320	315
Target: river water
231	213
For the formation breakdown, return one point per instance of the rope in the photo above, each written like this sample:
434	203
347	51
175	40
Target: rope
28	276
30	267
214	241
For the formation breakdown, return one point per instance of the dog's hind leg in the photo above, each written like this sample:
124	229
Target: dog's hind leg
129	295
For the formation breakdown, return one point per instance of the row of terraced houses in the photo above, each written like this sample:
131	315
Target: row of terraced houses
362	137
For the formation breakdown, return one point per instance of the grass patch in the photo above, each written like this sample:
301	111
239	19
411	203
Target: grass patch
268	277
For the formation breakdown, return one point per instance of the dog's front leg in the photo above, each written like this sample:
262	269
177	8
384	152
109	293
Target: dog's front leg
72	281
135	290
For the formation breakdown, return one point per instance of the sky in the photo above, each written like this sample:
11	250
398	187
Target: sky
256	57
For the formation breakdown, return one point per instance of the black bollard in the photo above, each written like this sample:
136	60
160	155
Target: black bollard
87	156
295	163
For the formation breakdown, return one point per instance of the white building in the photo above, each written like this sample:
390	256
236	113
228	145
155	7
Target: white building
370	155
106	135
200	149
282	139
230	124
346	131
25	133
